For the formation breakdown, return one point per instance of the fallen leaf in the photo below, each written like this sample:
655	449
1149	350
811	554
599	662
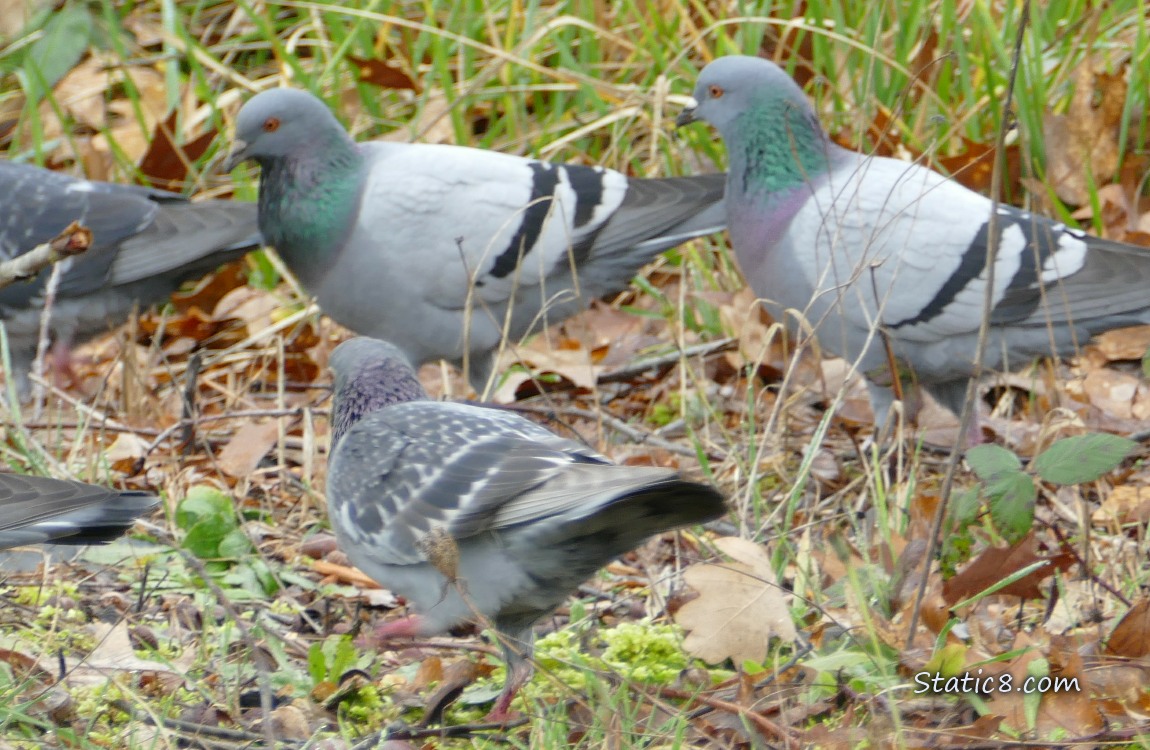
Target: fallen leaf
1082	146
1124	343
247	447
1131	636
1124	505
381	73
996	563
739	609
1067	712
165	164
1117	393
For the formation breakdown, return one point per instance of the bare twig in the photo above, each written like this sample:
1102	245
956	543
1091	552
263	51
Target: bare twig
74	240
970	406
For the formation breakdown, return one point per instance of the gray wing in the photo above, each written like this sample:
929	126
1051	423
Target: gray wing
39	509
658	214
138	232
403	470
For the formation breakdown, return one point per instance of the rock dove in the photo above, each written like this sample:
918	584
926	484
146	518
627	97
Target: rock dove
866	247
145	243
463	509
447	251
39	509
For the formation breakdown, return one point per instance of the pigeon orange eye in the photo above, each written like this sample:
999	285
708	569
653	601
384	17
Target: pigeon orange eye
715	92
271	125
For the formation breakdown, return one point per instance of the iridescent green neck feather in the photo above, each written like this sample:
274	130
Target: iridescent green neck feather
777	146
308	201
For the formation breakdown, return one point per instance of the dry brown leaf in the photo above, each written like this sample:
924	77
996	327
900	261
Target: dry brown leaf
1082	145
1066	713
1120	689
739	609
1131	637
997	563
248	446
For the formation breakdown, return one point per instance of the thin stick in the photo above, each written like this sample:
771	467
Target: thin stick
74	240
983	328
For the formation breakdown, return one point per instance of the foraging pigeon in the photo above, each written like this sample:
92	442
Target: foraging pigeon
39	509
463	509
145	243
852	241
448	251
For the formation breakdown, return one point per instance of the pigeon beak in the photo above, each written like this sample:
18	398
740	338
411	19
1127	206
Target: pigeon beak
236	154
687	116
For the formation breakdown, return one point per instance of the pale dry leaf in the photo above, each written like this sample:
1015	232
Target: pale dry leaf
1117	393
247	447
113	653
1124	343
126	447
1125	504
739	609
571	361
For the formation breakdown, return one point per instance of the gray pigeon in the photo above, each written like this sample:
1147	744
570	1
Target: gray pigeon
145	243
38	509
863	244
447	251
463	509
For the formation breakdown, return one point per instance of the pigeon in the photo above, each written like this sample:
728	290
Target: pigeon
473	513
35	510
871	249
448	251
145	243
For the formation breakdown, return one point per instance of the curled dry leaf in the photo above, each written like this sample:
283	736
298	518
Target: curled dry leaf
739	609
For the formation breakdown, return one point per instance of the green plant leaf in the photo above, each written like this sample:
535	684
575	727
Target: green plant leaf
1011	499
989	460
64	42
203	539
964	508
1082	458
203	502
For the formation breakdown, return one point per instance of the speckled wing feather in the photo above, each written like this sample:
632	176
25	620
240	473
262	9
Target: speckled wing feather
401	470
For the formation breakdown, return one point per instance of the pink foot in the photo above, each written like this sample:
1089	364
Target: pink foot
405	627
519	672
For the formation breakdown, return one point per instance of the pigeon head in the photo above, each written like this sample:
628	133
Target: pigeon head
774	139
369	375
280	124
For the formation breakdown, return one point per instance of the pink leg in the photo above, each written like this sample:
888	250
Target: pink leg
519	671
59	364
405	627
